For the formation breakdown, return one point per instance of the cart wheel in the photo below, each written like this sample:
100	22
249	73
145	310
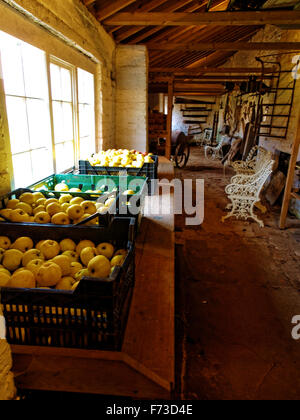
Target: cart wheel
182	154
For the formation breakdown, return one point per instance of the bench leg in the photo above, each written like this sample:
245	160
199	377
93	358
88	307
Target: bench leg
242	209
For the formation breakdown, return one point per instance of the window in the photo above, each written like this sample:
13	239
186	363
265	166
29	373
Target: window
25	81
51	120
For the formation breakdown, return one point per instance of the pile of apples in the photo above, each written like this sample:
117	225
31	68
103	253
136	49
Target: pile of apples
49	264
121	158
67	210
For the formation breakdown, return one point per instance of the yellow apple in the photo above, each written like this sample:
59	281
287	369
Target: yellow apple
12	204
67	245
118	260
23	244
24	279
75	212
65	207
87	254
61	187
81	274
75	268
33	254
25	207
60	219
65	264
66	283
65	198
38	196
41	202
39	244
42	218
76	200
34	266
4	271
27	198
38	209
99	267
121	252
50	201
88	207
49	275
73	256
106	249
53	209
50	249
5	242
84	244
4	279
19	216
12	259
6	213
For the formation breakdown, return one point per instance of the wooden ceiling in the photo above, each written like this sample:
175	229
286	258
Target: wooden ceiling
183	27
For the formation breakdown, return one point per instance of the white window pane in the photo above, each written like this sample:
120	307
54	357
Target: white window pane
85	120
22	170
42	164
67	121
87	148
12	65
58	122
39	123
55	82
66	85
64	156
86	88
18	126
34	61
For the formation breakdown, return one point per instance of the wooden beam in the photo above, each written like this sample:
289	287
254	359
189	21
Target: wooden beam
147	8
205	70
226	46
169	118
213	18
290	178
114	7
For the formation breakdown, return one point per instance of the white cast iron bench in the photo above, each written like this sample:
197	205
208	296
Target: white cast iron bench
244	192
254	163
214	153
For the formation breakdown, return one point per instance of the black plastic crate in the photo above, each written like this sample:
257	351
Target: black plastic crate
149	170
104	219
94	316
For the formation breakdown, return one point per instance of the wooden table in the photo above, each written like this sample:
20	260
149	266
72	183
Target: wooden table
145	368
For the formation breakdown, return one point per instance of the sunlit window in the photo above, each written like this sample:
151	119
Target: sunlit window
48	133
26	91
86	101
63	116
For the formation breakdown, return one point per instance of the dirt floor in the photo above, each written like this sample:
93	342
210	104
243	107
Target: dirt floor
237	292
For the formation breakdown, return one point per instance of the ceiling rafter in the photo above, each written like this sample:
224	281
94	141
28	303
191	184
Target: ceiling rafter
194	8
112	8
132	31
226	46
212	18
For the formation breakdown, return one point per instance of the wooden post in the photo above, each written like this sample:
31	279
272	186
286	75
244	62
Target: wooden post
169	119
290	178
